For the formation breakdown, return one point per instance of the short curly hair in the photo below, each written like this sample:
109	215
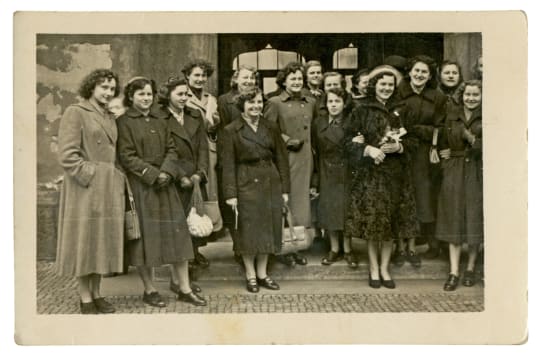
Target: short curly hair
206	66
96	77
164	91
242	98
374	79
461	88
449	63
234	78
135	84
344	95
432	66
343	81
291	67
356	77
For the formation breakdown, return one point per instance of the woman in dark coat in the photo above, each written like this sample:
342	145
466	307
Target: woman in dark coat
332	176
91	213
189	134
293	111
424	110
460	210
256	185
147	152
382	197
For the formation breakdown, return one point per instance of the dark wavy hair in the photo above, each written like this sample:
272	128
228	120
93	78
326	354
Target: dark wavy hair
448	63
242	98
461	89
343	81
356	77
134	85
206	66
291	67
373	82
234	78
432	66
96	77
344	95
164	91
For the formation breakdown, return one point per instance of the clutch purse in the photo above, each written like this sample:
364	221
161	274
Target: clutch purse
131	218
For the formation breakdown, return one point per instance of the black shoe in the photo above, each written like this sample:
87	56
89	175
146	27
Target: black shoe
389	283
331	257
414	259
251	285
432	253
469	279
352	260
373	283
399	258
200	260
192	297
299	259
451	283
103	306
88	308
287	259
176	288
154	299
268	283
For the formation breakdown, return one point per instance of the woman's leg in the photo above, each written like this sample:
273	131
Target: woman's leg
83	284
262	264
249	266
182	274
373	253
473	253
146	277
386	252
347	248
175	278
454	251
334	240
95	284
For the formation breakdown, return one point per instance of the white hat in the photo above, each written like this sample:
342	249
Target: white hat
386	68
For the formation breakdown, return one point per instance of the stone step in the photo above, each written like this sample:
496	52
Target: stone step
223	267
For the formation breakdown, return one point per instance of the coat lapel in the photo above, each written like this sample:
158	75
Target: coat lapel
334	133
248	133
103	119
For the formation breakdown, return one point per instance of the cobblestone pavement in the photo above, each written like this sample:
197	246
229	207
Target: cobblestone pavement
58	295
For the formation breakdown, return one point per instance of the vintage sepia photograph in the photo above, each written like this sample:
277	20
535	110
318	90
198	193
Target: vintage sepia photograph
216	175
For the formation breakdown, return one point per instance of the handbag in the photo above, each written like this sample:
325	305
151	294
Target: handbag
433	155
294	238
132	226
199	224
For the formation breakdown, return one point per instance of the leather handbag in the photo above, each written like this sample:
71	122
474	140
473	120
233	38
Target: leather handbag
433	155
132	224
294	238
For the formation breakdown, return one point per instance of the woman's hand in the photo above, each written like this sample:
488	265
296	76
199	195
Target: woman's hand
468	136
186	183
163	180
391	147
313	193
375	153
232	202
445	153
285	197
359	138
195	178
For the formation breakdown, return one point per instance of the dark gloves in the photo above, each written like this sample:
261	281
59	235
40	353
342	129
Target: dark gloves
163	180
294	145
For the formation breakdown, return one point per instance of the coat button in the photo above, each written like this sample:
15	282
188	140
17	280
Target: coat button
302	105
290	105
256	180
99	141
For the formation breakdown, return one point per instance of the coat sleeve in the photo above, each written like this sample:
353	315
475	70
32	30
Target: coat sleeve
281	158
70	148
271	113
202	155
314	182
229	166
127	154
424	132
170	162
353	126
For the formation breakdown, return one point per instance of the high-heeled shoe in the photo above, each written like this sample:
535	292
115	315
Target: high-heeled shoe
268	283
176	288
373	283
88	307
191	297
469	279
251	285
451	283
299	259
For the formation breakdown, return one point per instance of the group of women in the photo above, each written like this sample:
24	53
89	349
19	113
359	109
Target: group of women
351	165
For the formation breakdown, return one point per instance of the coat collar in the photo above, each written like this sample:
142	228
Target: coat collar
405	91
285	96
231	96
458	114
154	113
332	133
103	118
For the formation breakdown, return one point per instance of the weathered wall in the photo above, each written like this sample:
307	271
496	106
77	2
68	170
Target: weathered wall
63	61
463	48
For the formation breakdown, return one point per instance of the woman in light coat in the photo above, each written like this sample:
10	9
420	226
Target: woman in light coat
92	200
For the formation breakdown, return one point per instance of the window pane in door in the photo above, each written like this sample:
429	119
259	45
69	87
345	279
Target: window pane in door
284	57
345	58
269	85
268	59
247	58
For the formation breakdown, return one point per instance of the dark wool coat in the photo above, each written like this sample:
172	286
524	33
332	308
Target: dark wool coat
460	216
382	196
146	148
256	172
293	117
332	175
91	212
421	114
